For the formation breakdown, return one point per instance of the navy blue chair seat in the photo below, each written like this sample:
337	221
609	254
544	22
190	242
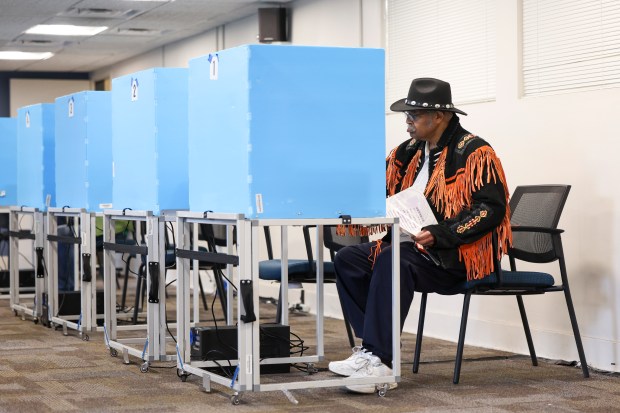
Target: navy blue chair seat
298	270
512	279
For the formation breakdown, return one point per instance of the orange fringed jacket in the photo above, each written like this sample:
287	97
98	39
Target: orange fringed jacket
468	193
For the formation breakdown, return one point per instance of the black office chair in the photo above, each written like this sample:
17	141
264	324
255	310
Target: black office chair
125	236
215	236
535	213
304	270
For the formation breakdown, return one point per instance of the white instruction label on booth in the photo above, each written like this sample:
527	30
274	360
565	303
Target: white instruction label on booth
248	364
259	203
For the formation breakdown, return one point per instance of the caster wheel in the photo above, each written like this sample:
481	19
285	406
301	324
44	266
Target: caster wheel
144	367
382	390
182	375
234	399
35	320
15	313
85	337
113	352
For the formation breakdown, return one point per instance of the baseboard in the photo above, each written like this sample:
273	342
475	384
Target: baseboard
601	353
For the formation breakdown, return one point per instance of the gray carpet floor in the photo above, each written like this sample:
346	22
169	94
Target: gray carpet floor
41	370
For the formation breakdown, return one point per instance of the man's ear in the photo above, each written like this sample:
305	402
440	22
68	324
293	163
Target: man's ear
443	115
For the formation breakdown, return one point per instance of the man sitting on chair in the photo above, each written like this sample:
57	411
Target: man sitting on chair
463	181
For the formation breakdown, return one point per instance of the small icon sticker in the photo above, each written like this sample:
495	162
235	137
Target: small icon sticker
71	105
214	62
28	119
134	89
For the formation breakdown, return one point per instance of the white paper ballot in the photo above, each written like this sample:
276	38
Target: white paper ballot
412	209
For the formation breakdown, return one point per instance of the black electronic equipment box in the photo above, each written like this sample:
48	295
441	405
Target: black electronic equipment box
220	344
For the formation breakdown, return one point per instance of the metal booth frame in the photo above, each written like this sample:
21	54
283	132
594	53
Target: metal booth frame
37	235
152	346
85	277
247	373
5	292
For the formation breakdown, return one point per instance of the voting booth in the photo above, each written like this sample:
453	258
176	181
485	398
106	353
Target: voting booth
288	132
83	123
8	161
36	190
150	181
83	188
36	186
149	140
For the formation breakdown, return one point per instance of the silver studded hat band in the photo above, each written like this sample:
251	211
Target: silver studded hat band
429	105
427	93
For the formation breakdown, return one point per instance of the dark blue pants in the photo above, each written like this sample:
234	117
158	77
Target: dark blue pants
366	291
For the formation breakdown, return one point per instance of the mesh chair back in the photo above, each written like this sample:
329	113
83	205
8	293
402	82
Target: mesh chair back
536	206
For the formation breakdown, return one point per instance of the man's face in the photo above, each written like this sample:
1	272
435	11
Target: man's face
421	124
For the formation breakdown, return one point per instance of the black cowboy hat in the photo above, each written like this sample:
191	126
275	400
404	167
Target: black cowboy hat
427	93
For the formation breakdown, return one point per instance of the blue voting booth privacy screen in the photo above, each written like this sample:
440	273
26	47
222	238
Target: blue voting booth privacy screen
8	161
84	150
35	156
149	140
288	132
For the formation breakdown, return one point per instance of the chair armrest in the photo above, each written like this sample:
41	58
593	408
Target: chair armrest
519	228
537	256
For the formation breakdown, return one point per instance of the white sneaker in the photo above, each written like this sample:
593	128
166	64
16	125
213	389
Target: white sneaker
373	368
352	364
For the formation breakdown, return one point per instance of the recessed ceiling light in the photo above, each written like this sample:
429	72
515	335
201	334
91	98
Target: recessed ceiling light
15	55
65	30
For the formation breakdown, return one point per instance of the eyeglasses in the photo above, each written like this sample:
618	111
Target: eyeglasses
414	116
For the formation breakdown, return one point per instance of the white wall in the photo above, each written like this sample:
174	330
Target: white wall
567	138
180	53
153	58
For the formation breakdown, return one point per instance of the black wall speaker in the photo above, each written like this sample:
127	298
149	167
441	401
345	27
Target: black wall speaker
272	25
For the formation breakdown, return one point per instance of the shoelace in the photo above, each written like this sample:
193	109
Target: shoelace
365	360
